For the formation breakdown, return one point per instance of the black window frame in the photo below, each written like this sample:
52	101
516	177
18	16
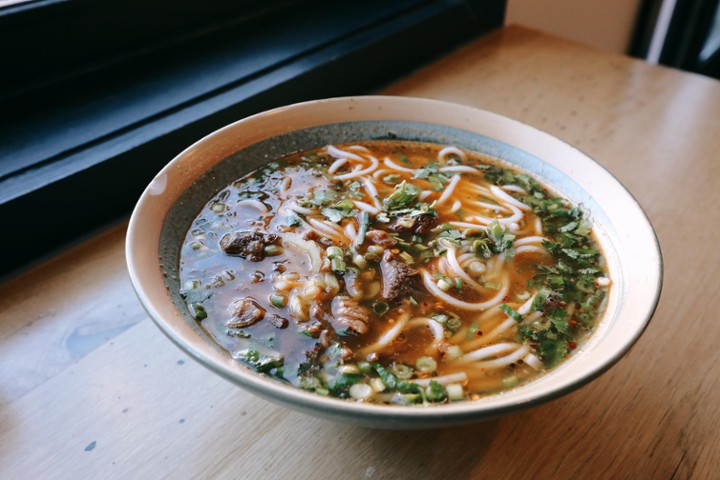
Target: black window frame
79	164
690	24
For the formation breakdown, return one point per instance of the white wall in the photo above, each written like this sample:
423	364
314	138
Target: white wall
605	24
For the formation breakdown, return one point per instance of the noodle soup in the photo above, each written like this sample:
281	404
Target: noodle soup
393	272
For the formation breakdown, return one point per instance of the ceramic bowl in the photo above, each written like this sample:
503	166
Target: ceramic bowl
174	197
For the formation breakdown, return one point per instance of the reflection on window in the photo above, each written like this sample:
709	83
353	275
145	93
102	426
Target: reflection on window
7	3
712	42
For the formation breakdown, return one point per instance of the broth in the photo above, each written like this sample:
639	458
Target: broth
393	272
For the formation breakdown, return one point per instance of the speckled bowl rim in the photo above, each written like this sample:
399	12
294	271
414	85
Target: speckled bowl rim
624	230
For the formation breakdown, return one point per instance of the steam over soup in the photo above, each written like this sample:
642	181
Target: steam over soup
393	272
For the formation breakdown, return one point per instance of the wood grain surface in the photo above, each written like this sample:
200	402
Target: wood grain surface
90	388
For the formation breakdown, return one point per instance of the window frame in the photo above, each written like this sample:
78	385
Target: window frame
71	190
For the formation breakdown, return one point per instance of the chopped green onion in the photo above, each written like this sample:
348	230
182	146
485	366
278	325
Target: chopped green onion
510	382
444	285
198	311
238	332
196	245
364	222
361	391
474	328
453	352
407	257
402	371
272	250
477	267
337	265
388	378
482	248
360	261
455	392
435	392
377	385
278	300
380	308
348	369
453	324
364	367
426	364
392	179
510	312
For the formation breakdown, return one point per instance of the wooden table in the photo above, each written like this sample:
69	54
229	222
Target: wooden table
90	388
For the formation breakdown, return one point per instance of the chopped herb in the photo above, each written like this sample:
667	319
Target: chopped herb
195	294
510	312
432	174
238	332
323	196
407	387
340	385
482	249
404	195
474	328
198	311
342	209
388	378
453	235
435	392
502	239
392	179
262	362
538	303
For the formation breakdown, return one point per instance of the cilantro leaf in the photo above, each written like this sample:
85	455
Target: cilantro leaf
323	196
342	209
502	238
404	195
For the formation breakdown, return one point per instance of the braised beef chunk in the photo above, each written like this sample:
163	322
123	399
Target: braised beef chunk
402	224
349	314
381	238
424	223
278	322
250	245
419	225
399	279
245	312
